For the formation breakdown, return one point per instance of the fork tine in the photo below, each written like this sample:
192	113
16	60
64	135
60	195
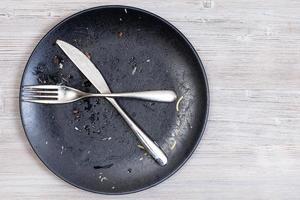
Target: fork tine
41	96
45	87
30	91
41	101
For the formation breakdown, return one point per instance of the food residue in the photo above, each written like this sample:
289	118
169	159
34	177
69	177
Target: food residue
148	60
178	102
62	150
103	166
173	143
141	158
113	187
140	146
133	71
77	129
87	129
86	83
125	10
46	142
109	138
88	55
103	179
58	60
120	34
76	115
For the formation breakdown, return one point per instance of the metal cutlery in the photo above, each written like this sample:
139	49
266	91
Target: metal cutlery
59	94
85	65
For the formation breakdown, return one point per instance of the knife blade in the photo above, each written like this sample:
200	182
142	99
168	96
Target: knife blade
85	65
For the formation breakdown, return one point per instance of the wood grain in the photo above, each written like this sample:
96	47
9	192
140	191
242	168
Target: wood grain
251	52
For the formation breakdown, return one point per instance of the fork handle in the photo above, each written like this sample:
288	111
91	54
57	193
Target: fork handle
151	147
154	95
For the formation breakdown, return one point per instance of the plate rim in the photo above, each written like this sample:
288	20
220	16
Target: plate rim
198	60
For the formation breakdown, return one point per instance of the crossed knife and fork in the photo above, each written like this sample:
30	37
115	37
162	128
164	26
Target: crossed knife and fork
57	94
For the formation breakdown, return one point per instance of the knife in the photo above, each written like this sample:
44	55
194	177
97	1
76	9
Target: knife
85	65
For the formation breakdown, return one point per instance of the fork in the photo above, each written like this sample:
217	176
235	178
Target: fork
59	94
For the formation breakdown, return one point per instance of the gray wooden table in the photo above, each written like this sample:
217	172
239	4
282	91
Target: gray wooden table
251	52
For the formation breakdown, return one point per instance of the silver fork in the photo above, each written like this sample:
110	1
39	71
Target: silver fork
59	94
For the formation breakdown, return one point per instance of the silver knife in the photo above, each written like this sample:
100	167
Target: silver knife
84	64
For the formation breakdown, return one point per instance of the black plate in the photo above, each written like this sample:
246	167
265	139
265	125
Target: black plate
135	50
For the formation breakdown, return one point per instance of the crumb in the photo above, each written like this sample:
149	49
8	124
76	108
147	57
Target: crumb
148	60
77	129
46	142
70	76
88	55
57	60
92	118
103	179
86	128
109	138
133	71
140	146
191	127
103	166
173	144
125	10
120	34
178	102
100	177
61	65
113	187
62	149
121	19
86	83
64	79
141	158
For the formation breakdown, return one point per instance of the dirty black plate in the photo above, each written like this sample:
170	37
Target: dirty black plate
87	143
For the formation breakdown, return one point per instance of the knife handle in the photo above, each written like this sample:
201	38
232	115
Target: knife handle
151	147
